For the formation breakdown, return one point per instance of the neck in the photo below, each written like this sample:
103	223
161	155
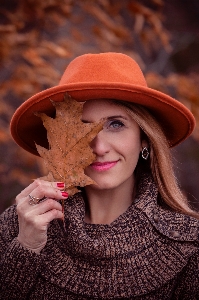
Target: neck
105	206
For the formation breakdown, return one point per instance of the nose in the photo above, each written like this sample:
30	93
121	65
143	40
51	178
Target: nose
100	144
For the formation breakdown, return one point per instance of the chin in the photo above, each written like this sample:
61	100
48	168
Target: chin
101	186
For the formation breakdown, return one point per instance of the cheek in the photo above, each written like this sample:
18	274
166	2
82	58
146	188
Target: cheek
132	153
130	146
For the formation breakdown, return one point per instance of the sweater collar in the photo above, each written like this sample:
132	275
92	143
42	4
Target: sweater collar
117	260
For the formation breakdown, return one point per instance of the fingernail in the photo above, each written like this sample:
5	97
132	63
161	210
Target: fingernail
64	194
60	184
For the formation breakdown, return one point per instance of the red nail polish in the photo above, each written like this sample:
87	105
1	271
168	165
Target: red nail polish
64	194
60	184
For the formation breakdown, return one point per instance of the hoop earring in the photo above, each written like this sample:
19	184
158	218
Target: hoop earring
145	153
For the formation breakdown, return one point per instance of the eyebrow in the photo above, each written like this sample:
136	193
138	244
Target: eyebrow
108	118
117	117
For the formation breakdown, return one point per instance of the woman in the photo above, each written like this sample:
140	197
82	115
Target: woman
131	235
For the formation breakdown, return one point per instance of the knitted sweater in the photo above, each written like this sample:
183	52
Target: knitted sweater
148	252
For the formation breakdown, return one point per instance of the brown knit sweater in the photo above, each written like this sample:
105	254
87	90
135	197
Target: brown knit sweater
147	253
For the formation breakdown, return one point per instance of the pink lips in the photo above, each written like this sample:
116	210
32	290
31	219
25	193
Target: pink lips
98	166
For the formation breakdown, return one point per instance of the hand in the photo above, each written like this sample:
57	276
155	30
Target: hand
34	219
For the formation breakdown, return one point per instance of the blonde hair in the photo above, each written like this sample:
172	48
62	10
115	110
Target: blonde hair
160	164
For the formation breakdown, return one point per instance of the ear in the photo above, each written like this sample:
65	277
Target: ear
144	143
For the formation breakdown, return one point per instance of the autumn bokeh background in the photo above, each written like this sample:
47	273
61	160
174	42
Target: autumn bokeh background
39	38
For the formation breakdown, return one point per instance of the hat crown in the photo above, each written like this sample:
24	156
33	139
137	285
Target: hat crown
103	67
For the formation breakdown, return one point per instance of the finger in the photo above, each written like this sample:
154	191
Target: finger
41	188
39	182
47	217
30	213
39	195
39	223
45	206
51	199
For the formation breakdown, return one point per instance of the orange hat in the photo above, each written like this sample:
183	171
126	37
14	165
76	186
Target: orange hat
96	76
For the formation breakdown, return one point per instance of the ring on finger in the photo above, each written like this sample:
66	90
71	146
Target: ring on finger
34	200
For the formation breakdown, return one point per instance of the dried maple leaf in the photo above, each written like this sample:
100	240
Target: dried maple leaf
69	140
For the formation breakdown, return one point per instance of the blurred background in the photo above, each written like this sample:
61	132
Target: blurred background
39	38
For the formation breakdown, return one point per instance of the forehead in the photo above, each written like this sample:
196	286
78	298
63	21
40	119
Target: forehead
102	108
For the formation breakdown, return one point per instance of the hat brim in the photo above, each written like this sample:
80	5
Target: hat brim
27	129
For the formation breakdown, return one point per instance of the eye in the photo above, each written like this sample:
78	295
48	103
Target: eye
114	125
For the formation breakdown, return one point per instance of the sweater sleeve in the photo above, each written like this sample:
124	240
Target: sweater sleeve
19	267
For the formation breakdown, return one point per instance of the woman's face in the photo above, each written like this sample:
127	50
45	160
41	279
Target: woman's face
117	146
